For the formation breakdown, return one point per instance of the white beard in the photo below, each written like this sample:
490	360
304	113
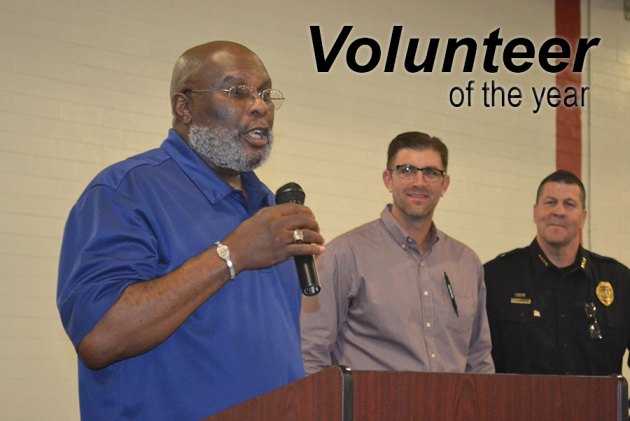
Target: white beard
222	148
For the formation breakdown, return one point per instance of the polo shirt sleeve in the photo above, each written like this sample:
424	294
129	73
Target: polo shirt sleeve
108	244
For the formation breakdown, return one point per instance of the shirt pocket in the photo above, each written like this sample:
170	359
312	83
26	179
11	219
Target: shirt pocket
519	322
467	302
614	316
517	313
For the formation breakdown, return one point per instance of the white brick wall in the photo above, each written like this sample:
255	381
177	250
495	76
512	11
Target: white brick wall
85	83
609	134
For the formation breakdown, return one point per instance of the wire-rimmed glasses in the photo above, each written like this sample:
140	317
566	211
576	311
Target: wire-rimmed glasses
241	93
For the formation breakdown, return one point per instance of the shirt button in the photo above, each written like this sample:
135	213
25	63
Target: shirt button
426	293
428	324
565	346
433	355
422	264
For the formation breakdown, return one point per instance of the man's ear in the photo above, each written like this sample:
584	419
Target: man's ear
387	179
445	183
180	105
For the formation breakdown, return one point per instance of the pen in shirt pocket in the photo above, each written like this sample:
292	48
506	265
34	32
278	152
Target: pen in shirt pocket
451	294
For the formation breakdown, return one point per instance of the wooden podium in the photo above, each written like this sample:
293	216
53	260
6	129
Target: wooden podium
339	394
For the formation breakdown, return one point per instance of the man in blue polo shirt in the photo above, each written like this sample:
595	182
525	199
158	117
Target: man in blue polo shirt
175	280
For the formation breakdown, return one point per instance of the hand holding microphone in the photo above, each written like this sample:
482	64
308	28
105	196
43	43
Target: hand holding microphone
305	265
276	233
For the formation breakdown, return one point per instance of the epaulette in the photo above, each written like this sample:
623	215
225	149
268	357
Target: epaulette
603	258
511	252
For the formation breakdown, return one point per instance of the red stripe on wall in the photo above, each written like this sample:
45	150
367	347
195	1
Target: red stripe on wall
568	119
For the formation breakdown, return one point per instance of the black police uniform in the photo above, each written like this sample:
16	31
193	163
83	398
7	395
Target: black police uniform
538	320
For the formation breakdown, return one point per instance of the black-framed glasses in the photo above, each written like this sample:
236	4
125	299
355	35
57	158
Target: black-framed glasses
594	330
242	93
408	172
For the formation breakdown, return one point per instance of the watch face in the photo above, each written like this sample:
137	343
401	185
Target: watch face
223	251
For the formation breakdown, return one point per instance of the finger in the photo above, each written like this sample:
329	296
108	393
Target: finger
301	221
304	249
312	237
298	235
287	209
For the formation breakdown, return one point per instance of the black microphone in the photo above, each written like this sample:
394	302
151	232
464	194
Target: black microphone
305	265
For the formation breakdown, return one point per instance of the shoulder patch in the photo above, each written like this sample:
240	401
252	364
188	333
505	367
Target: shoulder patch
599	257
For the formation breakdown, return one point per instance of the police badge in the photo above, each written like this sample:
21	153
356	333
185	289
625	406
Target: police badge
605	293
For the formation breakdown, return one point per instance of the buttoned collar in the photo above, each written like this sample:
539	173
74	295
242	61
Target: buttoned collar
400	236
541	263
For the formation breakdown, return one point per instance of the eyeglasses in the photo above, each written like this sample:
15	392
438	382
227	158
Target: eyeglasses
408	172
594	330
243	93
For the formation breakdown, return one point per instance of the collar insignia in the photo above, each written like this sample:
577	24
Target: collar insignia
542	259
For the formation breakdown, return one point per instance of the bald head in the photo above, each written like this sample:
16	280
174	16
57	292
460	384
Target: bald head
214	65
195	64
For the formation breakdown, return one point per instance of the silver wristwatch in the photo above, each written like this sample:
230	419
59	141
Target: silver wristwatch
224	253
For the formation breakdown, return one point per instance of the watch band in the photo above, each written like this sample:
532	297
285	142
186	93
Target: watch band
224	253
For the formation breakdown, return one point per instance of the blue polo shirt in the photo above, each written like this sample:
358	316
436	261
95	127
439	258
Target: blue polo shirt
141	219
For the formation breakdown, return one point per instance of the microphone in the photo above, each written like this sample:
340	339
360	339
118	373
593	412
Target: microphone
305	265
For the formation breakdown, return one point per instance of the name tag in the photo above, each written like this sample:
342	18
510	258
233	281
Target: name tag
514	300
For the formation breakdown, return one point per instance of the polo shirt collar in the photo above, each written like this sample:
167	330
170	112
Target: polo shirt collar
206	179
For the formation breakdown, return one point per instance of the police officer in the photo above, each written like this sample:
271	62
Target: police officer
553	306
